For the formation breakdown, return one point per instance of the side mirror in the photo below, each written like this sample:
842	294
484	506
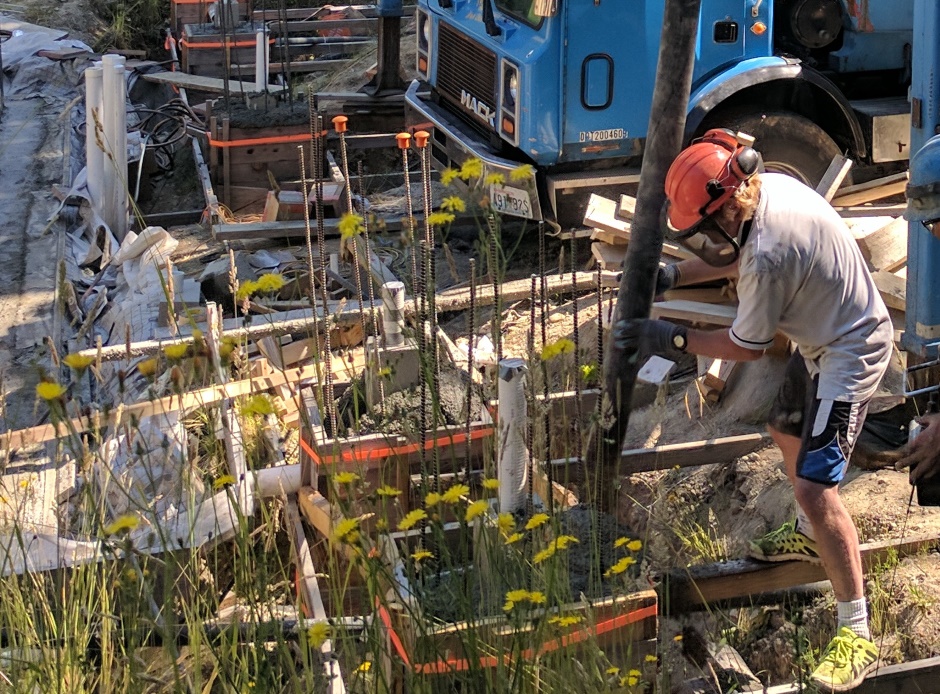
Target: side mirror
545	8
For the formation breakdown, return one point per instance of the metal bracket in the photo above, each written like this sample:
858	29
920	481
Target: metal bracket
910	370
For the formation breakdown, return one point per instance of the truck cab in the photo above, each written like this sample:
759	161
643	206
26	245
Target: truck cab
566	86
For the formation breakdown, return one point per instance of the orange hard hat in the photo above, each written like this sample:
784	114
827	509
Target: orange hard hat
705	175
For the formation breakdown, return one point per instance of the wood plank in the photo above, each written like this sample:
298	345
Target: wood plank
875	183
712	584
310	592
204	84
716	377
609	237
871	210
610	258
198	398
601	214
695	312
835	174
517	290
893	289
861	198
626	208
886	248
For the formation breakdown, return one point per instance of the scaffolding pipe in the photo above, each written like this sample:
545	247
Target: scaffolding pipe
115	130
94	155
513	455
393	313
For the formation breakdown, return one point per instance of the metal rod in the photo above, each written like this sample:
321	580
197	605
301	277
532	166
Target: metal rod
471	329
368	243
543	316
576	338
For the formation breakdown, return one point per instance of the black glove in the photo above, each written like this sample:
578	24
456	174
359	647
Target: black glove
666	279
644	337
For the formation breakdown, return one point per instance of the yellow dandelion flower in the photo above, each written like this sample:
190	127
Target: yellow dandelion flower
565	620
612	670
246	289
620	566
514	538
522	173
388	491
350	225
49	390
544	555
629	681
381	525
126	522
318	634
453	203
421	554
537	597
78	362
449	175
518	595
475	510
508	605
556	348
223	481
634	673
621	542
650	658
635	546
565	541
491	483
538	520
506	523
270	282
677	638
432	499
472	168
455	493
496	179
412	518
589	373
346	477
439	219
385	372
176	352
148	367
259	405
24	484
347	530
364	666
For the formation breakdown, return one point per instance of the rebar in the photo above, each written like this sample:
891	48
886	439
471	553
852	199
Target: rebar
423	365
497	323
576	338
546	416
368	245
471	328
404	140
530	423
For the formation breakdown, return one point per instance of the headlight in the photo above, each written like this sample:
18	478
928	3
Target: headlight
514	86
425	32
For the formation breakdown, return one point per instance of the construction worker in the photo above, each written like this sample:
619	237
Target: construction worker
799	272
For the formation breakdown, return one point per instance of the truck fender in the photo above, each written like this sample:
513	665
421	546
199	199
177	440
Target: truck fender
731	85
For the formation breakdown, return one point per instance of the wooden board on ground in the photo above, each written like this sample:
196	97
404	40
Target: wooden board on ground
885	248
626	208
872	190
743	580
893	289
602	214
204	84
695	312
716	377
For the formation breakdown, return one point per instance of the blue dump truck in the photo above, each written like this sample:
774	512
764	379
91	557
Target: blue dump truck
566	86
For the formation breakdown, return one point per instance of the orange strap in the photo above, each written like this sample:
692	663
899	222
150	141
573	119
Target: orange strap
356	455
252	142
462	664
230	43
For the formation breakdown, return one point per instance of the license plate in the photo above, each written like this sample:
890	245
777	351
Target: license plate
514	201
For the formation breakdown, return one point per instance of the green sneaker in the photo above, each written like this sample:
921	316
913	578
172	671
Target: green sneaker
847	662
784	544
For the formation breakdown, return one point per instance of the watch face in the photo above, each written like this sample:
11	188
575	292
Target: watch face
679	341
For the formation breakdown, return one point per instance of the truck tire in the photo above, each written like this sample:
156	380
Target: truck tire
788	142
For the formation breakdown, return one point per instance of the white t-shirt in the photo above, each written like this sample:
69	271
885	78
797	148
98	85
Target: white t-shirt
801	272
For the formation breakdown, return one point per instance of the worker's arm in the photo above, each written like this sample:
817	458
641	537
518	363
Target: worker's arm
696	270
922	455
719	345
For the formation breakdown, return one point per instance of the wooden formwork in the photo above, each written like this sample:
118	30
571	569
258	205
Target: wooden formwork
204	50
183	12
243	160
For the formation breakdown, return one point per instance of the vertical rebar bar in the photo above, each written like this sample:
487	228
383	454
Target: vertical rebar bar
368	245
497	322
576	338
471	329
546	416
530	390
404	141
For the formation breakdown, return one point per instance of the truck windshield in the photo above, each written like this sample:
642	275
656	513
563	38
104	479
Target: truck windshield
520	9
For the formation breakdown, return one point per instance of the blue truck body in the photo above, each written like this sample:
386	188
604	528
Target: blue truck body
570	93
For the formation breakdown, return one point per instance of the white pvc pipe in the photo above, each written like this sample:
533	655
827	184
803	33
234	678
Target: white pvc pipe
94	155
393	313
274	481
261	61
512	457
115	130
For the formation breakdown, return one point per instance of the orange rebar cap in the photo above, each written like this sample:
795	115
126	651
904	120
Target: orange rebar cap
404	140
421	138
339	123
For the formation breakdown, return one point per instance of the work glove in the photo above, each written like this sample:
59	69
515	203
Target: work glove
666	279
645	337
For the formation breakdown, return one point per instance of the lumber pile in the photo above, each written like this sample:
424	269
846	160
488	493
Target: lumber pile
883	243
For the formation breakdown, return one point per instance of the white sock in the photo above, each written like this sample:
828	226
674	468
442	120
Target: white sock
803	524
854	615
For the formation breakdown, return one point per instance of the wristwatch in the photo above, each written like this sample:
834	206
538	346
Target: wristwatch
679	341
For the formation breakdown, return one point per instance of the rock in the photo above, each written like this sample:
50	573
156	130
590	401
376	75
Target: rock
214	280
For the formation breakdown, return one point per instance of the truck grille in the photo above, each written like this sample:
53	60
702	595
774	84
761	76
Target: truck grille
465	65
